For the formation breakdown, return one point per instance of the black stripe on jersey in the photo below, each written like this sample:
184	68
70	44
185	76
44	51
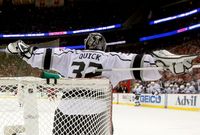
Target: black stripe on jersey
47	58
137	64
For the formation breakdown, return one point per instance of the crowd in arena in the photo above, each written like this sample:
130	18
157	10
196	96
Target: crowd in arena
36	22
171	83
12	66
160	87
72	16
184	83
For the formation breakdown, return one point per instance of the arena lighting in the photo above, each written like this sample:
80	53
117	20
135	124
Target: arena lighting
75	47
116	43
95	29
22	35
59	33
82	46
196	26
108	44
195	11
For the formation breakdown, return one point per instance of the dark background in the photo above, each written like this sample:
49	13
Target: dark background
134	15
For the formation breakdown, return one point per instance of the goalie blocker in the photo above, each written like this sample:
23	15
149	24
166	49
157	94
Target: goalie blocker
177	64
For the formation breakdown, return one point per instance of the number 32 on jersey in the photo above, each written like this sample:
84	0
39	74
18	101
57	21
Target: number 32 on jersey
79	68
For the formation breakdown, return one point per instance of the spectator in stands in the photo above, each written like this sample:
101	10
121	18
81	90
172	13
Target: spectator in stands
170	89
198	86
175	89
189	89
165	87
182	89
124	89
156	88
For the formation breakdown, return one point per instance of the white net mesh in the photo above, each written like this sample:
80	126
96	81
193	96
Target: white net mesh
30	106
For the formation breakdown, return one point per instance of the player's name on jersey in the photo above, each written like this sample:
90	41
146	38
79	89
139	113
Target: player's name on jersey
90	56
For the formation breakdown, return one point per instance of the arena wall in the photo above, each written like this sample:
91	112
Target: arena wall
189	102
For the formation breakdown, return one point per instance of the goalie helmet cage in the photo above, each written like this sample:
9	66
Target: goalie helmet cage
30	106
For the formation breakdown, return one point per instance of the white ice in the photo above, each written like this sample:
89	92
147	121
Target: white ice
130	120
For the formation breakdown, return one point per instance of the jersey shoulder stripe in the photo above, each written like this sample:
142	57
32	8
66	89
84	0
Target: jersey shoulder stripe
120	56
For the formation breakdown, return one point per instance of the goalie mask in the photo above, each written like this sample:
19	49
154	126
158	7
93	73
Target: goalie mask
95	41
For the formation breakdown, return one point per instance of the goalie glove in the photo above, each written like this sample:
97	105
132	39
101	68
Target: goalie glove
177	64
20	48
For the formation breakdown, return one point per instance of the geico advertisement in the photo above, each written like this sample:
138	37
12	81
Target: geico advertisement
152	99
183	100
144	99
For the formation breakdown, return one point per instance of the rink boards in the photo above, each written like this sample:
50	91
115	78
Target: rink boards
190	102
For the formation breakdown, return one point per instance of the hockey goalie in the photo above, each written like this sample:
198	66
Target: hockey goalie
83	63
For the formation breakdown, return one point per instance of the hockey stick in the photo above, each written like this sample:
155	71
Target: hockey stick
130	69
136	69
196	66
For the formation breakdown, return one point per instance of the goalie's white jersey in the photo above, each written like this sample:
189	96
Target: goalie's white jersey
82	63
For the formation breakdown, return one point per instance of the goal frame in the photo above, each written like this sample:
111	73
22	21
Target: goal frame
31	115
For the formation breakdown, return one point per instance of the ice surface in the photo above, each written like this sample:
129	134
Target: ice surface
130	120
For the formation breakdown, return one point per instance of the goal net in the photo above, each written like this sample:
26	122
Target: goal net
31	106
